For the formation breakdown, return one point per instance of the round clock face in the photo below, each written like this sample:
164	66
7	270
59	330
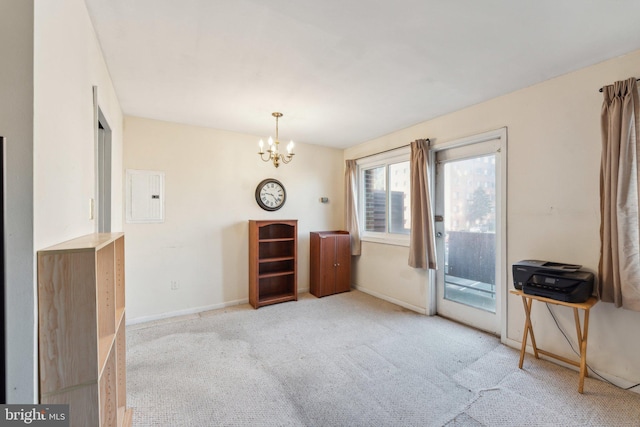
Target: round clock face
270	194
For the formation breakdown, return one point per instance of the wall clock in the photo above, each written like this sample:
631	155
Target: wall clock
270	194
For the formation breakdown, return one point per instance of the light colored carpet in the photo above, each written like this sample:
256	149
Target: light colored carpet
350	360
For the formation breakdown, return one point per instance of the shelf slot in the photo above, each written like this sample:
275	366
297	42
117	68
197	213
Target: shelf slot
276	231
273	299
277	249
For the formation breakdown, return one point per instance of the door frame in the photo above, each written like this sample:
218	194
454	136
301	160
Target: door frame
3	334
101	205
501	218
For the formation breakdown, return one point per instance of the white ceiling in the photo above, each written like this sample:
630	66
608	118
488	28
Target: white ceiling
344	71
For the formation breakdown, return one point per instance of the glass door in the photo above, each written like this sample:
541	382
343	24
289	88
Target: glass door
468	200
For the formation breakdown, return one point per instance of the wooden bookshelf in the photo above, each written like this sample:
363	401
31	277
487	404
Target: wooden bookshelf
82	346
273	248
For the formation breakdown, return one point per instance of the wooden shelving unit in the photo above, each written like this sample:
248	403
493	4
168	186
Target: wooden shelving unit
273	248
82	344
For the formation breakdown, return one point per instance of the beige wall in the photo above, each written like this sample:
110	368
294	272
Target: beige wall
52	61
210	181
68	63
383	271
552	203
16	125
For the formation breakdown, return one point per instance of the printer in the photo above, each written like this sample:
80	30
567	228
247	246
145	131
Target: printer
562	282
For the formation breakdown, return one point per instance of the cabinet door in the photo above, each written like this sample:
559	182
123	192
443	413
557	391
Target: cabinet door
328	265
343	263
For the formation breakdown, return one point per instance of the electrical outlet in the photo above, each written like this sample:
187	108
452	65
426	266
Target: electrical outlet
175	285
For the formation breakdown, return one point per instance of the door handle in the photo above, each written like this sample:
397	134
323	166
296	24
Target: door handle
438	234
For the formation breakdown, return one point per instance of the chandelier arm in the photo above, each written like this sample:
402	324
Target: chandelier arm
286	159
268	156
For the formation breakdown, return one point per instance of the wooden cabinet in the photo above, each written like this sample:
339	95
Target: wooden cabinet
330	262
273	248
81	314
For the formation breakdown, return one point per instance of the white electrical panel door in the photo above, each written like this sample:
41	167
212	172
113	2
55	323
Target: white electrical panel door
145	196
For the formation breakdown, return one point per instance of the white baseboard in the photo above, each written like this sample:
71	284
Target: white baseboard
196	310
392	300
186	312
619	382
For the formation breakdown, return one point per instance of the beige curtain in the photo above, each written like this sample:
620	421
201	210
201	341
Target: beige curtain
619	269
422	247
351	206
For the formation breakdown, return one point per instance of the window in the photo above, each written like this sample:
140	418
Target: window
385	197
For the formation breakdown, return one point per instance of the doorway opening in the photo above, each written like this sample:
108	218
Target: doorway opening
103	169
470	212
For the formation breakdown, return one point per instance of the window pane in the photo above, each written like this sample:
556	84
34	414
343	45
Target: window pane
400	196
470	223
374	199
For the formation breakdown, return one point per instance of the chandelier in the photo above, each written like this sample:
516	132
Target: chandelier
272	153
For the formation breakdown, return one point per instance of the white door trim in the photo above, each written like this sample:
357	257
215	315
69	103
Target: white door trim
501	204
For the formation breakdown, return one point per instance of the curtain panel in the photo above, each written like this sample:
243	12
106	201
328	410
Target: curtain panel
351	220
619	267
422	252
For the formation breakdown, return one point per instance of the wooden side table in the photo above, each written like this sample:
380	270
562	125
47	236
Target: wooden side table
582	333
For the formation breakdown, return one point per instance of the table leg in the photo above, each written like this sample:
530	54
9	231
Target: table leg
528	330
579	333
583	352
